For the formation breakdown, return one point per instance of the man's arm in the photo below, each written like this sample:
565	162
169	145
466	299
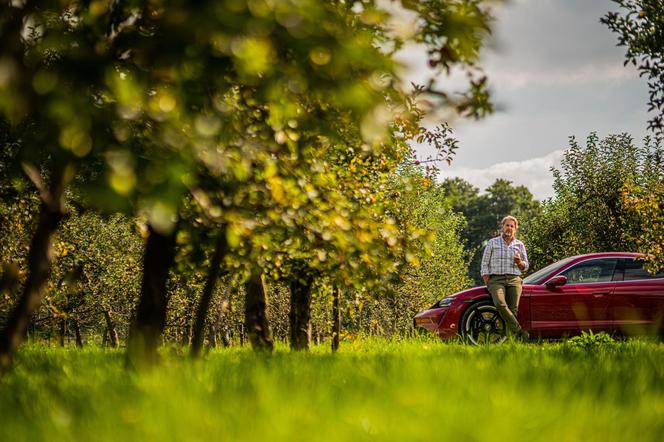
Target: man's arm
524	258
484	266
521	258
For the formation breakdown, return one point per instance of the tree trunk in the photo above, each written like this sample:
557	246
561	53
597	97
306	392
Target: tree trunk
336	318
77	333
225	336
395	314
224	329
10	280
212	336
214	272
40	260
300	311
150	319
112	332
62	331
255	315
185	337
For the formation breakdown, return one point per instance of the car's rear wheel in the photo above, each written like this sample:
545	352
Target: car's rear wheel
481	324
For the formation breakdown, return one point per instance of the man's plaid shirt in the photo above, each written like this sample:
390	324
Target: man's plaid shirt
498	257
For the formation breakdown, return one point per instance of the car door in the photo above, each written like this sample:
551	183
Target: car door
637	303
580	304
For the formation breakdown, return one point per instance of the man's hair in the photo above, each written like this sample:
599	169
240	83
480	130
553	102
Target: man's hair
510	217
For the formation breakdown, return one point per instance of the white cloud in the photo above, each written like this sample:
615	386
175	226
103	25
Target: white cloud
534	173
571	76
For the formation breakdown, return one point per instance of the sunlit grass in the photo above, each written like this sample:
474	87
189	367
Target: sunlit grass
417	389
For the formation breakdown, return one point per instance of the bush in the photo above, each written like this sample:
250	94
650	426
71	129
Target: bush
589	340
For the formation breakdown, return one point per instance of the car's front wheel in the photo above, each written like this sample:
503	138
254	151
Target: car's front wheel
481	324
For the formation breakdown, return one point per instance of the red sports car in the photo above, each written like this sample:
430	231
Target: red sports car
609	292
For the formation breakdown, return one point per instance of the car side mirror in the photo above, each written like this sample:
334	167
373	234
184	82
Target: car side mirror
557	281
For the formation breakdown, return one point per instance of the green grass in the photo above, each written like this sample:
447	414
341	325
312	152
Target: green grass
415	390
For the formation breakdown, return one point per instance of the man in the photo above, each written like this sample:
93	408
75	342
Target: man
503	261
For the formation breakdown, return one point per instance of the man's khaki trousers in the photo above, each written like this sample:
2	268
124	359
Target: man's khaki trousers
505	291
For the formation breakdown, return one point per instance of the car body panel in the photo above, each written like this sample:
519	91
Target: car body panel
429	319
638	306
568	309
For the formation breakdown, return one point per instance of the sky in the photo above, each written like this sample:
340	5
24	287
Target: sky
555	71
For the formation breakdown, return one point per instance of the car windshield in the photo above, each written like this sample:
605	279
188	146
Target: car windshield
532	279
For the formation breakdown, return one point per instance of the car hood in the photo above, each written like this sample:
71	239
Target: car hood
464	295
477	292
471	293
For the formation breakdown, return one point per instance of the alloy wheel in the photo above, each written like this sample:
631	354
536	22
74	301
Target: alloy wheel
483	325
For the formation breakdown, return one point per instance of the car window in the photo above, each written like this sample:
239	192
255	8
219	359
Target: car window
533	278
594	270
634	270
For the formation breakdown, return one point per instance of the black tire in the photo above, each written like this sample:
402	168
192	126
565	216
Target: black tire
481	324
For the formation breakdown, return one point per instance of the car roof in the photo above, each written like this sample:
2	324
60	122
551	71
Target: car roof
608	255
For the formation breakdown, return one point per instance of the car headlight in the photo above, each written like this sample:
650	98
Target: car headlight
445	301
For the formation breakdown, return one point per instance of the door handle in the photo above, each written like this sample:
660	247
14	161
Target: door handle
598	294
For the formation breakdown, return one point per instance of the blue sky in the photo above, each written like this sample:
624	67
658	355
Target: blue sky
555	71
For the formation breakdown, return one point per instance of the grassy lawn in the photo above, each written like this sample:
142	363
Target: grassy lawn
415	390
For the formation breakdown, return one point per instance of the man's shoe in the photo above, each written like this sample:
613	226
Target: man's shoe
523	335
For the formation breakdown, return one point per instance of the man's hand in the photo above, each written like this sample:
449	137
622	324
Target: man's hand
518	261
486	279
